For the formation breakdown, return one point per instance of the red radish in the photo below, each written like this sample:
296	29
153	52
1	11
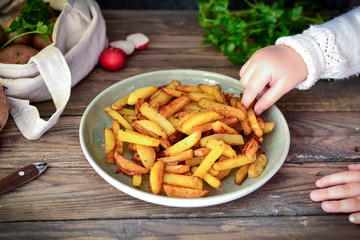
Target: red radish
126	46
140	40
112	59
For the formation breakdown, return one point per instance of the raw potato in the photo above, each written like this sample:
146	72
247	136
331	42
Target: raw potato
17	54
38	42
52	13
23	40
4	110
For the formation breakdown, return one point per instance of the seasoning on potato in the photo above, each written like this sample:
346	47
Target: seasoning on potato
186	137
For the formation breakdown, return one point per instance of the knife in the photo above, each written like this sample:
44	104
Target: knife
21	176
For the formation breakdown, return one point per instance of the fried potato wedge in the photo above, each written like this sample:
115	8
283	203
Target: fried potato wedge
143	93
268	128
177	169
195	161
153	127
250	148
170	89
192	120
147	155
209	160
173	84
193	106
183	192
120	103
245	125
241	174
110	157
196	96
222	174
261	122
119	146
156	177
137	180
183	180
231	163
254	123
220	127
117	116
151	114
258	166
228	152
138	138
184	144
130	167
109	140
172	92
127	111
212	91
199	152
160	99
210	179
208	125
231	139
188	89
222	109
178	157
174	106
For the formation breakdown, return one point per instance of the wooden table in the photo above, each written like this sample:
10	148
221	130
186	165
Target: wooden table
70	200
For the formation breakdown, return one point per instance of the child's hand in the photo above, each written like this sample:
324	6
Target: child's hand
343	189
270	73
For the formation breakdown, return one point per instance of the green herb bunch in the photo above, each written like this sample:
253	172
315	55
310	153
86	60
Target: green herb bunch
33	18
238	34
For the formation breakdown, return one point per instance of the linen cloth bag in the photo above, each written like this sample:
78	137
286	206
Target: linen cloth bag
79	37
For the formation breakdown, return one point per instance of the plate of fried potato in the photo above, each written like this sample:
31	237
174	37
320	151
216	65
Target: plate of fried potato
182	138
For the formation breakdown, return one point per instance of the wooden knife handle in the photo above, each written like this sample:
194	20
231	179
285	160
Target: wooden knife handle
18	177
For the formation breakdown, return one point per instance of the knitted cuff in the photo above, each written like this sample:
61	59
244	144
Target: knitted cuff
309	50
318	48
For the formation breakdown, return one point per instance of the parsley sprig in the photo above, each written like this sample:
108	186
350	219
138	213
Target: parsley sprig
33	18
238	34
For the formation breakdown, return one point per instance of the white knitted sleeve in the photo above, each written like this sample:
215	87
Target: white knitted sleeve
330	50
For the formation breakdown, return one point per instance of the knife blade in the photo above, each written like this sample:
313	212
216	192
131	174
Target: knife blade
21	176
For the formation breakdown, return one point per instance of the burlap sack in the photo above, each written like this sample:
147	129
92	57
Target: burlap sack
79	38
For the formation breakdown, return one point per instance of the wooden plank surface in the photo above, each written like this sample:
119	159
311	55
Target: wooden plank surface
274	227
71	201
82	189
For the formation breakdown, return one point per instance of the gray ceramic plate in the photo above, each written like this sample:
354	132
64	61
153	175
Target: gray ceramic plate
94	120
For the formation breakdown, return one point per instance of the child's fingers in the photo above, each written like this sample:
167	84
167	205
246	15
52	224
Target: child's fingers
263	91
270	96
246	74
254	87
355	218
244	68
338	178
337	192
354	167
346	205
